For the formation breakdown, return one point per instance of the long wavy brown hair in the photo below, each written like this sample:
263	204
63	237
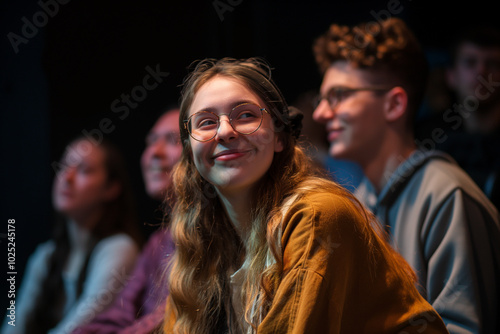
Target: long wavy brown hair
208	247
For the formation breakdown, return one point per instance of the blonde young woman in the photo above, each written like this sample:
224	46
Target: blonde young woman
263	244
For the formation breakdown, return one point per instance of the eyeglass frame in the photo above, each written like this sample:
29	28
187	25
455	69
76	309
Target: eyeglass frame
340	91
186	121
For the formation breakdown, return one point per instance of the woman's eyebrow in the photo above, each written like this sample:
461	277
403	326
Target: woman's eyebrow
232	105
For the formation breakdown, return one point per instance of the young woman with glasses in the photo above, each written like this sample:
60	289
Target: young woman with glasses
263	243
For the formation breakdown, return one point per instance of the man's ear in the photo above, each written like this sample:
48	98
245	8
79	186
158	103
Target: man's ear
396	104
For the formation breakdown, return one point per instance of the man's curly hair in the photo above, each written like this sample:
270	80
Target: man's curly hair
387	48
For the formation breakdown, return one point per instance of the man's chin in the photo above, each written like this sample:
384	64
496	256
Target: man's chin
338	153
157	193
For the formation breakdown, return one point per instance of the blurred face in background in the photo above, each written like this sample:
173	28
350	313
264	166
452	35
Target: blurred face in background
163	150
476	72
81	186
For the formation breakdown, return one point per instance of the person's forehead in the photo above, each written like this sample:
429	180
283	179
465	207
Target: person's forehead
471	49
221	90
168	122
345	74
83	151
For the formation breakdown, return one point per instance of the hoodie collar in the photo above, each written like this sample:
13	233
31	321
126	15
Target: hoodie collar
399	178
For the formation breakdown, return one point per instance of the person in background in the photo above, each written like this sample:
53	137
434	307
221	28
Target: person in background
95	244
262	243
437	217
472	124
134	309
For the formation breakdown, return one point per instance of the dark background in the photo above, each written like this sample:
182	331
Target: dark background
63	80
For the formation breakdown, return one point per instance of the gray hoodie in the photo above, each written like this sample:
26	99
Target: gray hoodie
449	232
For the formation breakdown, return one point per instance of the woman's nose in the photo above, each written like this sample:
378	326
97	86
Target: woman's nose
225	132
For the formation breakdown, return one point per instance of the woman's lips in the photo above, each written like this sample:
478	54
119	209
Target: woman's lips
229	155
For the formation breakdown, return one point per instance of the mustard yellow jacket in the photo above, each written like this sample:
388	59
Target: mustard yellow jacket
339	276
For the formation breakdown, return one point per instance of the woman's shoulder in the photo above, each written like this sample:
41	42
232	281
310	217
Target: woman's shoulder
327	198
116	242
43	251
118	250
325	208
38	262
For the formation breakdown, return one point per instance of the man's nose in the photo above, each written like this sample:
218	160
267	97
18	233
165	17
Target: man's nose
323	112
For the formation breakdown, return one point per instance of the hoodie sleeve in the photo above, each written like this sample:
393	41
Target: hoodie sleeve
462	282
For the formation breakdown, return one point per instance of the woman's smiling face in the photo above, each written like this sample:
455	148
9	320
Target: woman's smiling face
232	162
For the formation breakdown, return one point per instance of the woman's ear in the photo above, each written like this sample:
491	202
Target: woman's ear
396	104
278	143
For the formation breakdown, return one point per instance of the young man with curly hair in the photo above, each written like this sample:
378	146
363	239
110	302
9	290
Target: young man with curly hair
374	76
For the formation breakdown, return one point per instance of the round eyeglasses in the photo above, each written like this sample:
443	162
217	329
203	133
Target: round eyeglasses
245	118
336	94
